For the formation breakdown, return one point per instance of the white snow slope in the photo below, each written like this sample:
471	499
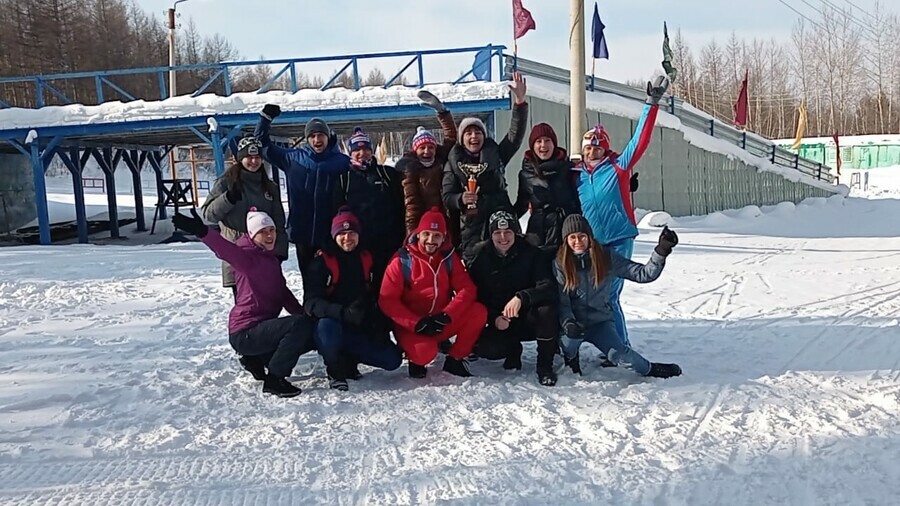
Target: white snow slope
117	386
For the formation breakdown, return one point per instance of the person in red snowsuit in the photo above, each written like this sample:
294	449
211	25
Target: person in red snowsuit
430	297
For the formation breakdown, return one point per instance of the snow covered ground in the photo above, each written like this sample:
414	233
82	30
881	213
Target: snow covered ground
117	385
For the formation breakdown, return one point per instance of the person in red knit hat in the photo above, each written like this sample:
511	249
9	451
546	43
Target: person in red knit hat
430	297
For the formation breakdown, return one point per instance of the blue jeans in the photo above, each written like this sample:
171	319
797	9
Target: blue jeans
337	342
605	337
625	248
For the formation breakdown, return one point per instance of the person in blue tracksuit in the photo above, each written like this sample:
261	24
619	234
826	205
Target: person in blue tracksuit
311	172
604	182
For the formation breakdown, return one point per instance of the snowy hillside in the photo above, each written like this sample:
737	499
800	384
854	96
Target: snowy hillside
117	386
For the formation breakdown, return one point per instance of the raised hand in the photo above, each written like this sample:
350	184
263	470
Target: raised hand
193	225
518	87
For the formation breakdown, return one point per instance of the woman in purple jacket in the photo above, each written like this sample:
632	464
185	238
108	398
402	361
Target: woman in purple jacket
269	346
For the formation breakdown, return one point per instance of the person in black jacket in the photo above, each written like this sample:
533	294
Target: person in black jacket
546	187
480	161
374	193
515	283
339	290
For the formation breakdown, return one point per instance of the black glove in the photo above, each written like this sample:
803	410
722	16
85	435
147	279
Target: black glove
429	100
270	112
234	194
193	226
657	89
356	313
634	182
427	327
667	240
573	329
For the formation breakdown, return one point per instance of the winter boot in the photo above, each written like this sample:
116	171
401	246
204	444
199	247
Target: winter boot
337	377
457	367
575	364
546	351
664	370
279	387
513	362
338	384
417	371
255	365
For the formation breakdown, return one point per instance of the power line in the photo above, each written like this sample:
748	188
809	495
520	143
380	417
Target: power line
862	10
850	16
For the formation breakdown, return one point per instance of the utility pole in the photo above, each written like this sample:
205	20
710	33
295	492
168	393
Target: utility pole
173	155
576	76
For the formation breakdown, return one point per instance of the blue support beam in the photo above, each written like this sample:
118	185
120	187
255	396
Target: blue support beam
208	82
73	161
218	154
108	162
155	160
134	160
40	190
122	92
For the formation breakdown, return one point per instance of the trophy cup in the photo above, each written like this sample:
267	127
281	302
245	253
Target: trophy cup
472	170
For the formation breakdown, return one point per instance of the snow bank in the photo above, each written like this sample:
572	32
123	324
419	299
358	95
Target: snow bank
654	219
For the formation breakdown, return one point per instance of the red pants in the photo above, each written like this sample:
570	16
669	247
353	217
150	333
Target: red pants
421	350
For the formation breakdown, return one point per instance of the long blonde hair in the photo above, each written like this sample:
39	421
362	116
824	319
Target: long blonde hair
566	258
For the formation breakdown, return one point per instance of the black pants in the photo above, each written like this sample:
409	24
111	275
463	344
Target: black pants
539	324
280	340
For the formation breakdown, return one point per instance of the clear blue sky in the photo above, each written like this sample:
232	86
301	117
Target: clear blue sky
296	28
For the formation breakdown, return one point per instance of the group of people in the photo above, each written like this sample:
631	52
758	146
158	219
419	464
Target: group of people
431	251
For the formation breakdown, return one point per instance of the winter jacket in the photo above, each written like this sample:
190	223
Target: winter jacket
310	178
422	185
549	187
232	218
588	304
431	288
261	288
523	272
492	195
375	195
605	190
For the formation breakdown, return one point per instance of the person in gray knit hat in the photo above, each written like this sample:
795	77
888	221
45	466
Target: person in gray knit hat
584	272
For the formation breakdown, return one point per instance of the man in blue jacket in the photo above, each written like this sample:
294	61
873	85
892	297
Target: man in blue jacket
605	182
311	172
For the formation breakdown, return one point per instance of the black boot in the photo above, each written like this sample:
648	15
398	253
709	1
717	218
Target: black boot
514	358
664	370
605	362
546	351
255	365
417	371
279	387
574	364
337	378
457	367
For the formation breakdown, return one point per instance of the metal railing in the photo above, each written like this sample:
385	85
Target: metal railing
51	85
752	143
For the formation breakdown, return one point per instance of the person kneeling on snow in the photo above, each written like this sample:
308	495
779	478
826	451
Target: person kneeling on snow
429	296
515	282
339	290
269	346
584	273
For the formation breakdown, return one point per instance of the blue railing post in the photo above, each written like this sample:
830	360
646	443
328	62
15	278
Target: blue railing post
226	78
774	152
39	89
712	127
293	77
355	74
421	70
797	160
99	84
40	190
490	77
163	89
218	155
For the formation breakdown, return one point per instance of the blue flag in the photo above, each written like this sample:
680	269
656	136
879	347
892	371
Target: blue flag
481	67
597	37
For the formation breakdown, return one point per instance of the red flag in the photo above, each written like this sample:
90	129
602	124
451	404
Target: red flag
742	106
837	147
522	20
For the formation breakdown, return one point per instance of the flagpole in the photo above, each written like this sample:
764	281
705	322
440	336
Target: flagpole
576	76
593	66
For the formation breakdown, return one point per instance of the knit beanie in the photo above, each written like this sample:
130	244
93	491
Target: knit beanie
542	130
359	139
503	220
597	136
248	146
422	138
258	220
433	220
466	123
344	221
316	126
576	223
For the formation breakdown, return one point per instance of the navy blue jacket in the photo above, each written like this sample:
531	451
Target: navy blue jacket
311	178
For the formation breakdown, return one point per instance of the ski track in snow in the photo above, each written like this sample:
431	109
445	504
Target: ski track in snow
118	387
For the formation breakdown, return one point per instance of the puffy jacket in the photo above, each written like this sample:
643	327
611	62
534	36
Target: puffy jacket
232	218
431	289
422	185
310	178
604	189
375	195
261	288
549	188
492	194
588	304
524	272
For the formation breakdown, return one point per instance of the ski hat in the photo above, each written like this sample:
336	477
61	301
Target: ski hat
597	136
344	221
422	138
433	220
258	220
316	126
359	139
503	220
576	223
248	146
466	123
542	130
